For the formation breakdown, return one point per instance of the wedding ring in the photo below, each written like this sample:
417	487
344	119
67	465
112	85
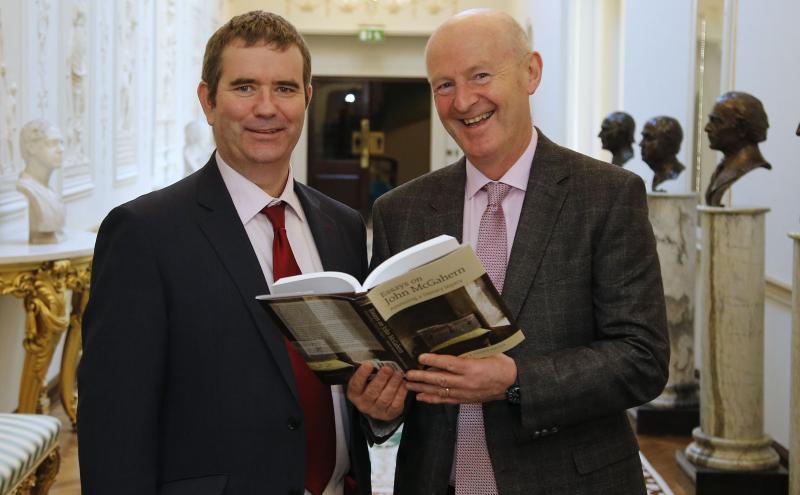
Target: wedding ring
445	392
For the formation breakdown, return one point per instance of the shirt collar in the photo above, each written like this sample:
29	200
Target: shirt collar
516	177
249	199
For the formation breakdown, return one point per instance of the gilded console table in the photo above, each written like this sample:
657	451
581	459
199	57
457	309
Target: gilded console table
39	275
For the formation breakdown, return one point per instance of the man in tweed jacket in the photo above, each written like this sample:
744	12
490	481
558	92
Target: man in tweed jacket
582	281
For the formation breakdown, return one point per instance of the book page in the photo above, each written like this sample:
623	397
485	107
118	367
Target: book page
411	258
439	277
315	283
335	319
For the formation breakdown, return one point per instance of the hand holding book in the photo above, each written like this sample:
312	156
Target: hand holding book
459	380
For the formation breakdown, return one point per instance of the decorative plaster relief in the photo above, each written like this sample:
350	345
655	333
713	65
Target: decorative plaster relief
43	26
165	161
77	174
8	104
125	139
345	16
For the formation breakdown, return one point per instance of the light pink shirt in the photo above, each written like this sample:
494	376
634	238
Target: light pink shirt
475	200
249	200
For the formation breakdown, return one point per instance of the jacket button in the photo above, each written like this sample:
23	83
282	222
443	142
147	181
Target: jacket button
293	423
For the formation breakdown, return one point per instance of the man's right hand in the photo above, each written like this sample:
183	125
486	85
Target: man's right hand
383	397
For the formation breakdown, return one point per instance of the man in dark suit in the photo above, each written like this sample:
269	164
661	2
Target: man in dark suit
567	240
186	386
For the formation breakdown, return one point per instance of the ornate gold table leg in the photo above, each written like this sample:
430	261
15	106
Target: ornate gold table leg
43	293
78	281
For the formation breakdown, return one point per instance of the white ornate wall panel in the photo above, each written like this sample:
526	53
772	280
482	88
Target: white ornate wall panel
75	92
10	35
166	157
126	104
78	70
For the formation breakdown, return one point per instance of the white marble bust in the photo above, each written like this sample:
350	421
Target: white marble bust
198	146
42	148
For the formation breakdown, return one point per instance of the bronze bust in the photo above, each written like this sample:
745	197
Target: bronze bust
661	141
616	134
735	126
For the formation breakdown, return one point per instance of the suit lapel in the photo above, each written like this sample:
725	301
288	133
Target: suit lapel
447	204
327	237
224	230
540	210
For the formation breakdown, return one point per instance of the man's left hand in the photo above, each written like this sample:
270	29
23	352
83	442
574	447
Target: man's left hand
457	380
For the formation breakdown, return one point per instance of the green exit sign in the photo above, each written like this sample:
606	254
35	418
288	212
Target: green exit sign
371	35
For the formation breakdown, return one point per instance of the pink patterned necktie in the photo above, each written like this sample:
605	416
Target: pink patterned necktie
474	473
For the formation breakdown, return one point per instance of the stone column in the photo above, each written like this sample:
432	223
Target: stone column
674	221
731	433
794	411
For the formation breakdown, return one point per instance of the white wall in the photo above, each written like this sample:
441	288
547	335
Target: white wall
546	22
658	75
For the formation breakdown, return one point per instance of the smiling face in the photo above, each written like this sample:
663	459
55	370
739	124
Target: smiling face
481	80
258	112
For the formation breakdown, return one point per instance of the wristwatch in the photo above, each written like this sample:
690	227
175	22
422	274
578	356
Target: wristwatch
513	395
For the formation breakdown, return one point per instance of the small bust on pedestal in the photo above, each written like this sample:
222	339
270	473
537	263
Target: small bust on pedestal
661	141
616	134
42	149
197	148
735	126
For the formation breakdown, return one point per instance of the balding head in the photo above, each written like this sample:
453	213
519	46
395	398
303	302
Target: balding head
490	22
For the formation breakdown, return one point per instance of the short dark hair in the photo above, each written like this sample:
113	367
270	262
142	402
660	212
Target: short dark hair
751	119
669	131
253	28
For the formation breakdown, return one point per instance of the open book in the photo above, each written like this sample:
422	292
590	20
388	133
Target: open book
432	297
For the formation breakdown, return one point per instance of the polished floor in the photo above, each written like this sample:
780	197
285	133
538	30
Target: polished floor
660	451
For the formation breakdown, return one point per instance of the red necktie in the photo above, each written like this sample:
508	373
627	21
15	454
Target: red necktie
315	397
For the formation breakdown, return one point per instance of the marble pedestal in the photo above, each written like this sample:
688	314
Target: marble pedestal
794	414
731	433
674	220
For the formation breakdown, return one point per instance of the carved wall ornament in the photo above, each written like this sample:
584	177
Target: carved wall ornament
304	5
166	161
617	136
736	125
435	7
661	141
124	128
8	104
43	27
42	149
78	69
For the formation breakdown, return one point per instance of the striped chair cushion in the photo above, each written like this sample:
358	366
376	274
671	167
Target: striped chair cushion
25	439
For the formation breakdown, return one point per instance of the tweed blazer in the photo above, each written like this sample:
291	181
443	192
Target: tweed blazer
186	384
583	282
